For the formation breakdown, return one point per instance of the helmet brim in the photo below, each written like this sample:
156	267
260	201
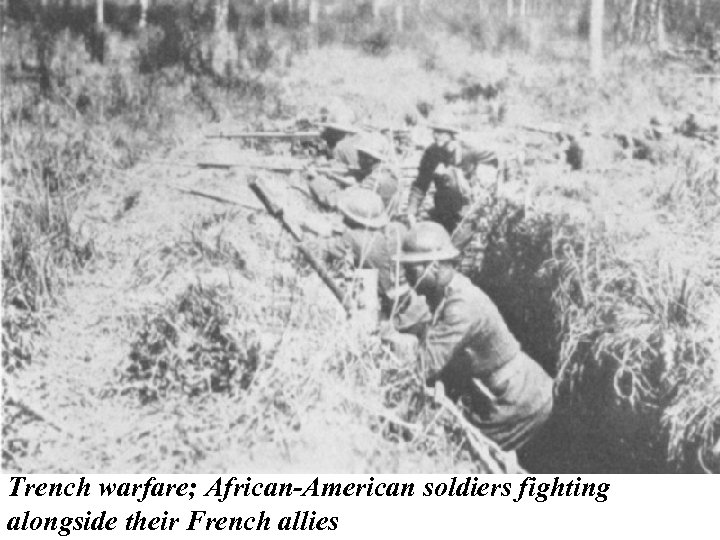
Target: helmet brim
340	127
371	223
446	254
371	152
444	128
397	292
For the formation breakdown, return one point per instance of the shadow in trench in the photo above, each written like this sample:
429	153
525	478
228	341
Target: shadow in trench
591	430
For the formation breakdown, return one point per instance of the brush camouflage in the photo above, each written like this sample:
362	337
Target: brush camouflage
426	242
363	207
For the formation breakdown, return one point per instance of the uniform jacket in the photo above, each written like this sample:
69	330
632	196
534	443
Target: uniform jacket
470	349
345	152
449	197
366	248
369	249
383	181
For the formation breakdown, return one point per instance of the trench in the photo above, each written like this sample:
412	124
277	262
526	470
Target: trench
591	430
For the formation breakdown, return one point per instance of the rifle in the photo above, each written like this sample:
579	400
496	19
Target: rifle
276	135
218	198
278	213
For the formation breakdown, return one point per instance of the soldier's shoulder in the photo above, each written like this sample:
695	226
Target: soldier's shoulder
395	227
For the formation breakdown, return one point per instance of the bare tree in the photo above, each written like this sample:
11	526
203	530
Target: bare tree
597	9
268	13
221	39
399	16
143	13
313	19
375	9
100	14
662	41
633	18
314	13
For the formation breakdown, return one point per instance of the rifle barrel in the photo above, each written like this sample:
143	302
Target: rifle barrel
282	135
277	212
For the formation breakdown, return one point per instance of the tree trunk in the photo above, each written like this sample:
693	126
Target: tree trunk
221	9
662	42
221	46
100	14
268	13
314	12
510	8
314	19
143	13
597	9
633	19
399	16
523	8
375	9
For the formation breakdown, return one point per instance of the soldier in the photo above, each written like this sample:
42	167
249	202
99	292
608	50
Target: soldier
468	347
339	133
440	164
341	140
369	240
372	173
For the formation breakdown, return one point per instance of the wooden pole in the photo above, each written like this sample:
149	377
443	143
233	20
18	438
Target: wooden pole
399	16
662	43
314	19
100	14
597	9
268	13
143	13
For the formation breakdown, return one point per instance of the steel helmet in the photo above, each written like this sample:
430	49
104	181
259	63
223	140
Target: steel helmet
374	145
339	127
444	123
364	207
338	116
425	242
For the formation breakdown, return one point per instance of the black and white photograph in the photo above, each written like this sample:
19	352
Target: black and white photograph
371	236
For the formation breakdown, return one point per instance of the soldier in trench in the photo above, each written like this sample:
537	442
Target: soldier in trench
448	165
370	240
468	347
372	173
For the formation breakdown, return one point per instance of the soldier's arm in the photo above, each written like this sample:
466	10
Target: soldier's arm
443	339
422	182
331	249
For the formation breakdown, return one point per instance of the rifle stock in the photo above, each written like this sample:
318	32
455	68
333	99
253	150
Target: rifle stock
278	213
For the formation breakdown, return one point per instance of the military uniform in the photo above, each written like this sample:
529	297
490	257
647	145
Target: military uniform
325	191
383	181
375	248
345	152
375	174
451	189
369	248
469	348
